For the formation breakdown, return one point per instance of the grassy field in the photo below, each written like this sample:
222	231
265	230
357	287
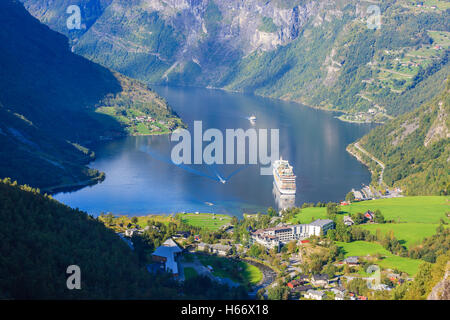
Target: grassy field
409	233
406	209
362	248
142	221
415	218
309	214
206	220
189	273
241	272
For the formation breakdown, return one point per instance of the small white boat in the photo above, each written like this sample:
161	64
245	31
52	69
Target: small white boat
252	119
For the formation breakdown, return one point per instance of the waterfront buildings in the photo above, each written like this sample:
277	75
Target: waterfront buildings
275	237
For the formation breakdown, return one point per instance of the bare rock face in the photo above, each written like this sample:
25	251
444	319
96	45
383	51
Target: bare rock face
439	129
205	31
442	290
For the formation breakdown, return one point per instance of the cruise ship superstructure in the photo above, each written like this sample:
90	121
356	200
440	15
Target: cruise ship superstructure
283	176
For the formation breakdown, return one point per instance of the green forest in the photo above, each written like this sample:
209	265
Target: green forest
52	105
415	148
42	237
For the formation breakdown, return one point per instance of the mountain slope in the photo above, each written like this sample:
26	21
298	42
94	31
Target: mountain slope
414	148
42	237
53	102
321	53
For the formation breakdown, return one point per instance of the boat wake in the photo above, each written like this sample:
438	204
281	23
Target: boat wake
217	176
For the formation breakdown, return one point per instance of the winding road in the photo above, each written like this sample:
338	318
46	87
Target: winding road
381	164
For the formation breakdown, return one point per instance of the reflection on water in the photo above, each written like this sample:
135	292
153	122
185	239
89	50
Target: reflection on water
283	201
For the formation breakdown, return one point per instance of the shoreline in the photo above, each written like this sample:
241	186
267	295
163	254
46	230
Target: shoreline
298	101
70	187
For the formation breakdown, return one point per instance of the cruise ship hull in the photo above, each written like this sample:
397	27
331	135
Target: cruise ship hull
284	191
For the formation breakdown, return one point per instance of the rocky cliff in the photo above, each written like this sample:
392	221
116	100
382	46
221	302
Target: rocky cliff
442	290
323	53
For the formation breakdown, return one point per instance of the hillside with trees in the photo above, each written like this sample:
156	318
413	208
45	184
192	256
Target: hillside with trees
415	148
41	237
55	104
326	54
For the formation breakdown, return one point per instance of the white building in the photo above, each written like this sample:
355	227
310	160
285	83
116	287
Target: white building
315	294
275	237
167	254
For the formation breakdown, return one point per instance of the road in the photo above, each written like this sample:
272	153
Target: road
381	164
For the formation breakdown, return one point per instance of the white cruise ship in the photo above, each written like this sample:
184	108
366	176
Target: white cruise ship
283	176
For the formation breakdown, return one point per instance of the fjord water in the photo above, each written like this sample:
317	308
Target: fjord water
140	178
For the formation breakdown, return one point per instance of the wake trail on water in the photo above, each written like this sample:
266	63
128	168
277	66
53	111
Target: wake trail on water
162	158
213	168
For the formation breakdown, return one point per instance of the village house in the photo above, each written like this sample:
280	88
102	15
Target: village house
315	295
183	234
348	221
294	283
167	256
339	296
320	280
220	249
202	246
369	215
131	232
339	293
351	261
303	288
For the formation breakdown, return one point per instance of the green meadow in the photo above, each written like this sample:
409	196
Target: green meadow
238	271
206	221
388	260
414	218
406	209
308	215
409	233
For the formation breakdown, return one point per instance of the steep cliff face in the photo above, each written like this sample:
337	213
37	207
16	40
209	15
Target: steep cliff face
194	41
415	148
323	53
442	290
53	101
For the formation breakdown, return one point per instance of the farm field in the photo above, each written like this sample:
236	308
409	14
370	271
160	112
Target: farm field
406	209
309	214
415	218
238	271
206	220
428	4
363	248
142	221
410	233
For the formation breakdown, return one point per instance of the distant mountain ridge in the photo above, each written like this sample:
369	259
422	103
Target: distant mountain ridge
50	100
321	53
